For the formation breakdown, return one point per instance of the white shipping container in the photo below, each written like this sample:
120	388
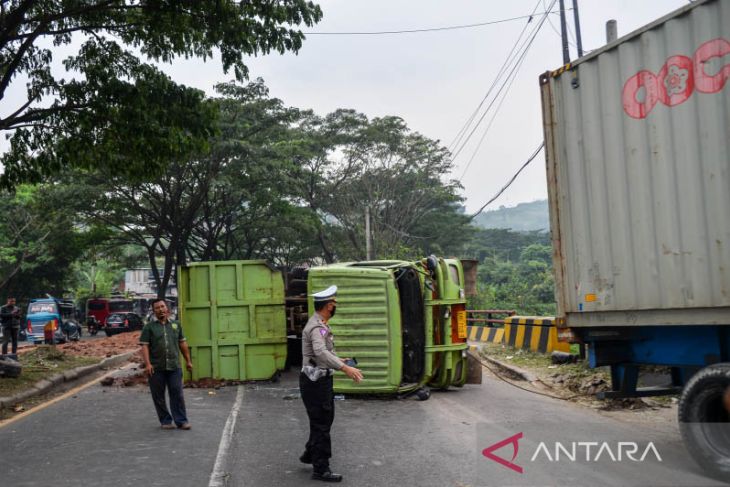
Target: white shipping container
637	137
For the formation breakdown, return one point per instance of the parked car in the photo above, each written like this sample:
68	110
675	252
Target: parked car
121	322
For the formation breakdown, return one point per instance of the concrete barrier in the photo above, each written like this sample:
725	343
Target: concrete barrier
535	333
485	334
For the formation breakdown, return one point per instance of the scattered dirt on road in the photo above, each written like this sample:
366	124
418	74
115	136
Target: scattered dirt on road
137	379
104	347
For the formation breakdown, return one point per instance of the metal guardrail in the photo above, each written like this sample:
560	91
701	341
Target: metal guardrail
477	316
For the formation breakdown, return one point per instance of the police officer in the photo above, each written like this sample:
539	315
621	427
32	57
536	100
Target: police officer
315	383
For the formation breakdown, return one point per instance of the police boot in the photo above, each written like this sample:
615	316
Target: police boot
327	476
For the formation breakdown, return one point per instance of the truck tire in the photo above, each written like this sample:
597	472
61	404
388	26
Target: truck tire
9	368
704	422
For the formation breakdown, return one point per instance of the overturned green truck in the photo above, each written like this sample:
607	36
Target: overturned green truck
404	322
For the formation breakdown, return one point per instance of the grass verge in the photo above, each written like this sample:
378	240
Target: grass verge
41	363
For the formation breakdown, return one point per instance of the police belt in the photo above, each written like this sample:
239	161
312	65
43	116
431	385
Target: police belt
315	373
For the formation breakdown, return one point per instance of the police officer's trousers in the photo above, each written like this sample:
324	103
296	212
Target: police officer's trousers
319	400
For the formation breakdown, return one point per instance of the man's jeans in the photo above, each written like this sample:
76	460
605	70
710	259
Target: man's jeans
172	380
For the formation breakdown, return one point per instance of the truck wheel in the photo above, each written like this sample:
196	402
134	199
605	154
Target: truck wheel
423	394
9	368
703	420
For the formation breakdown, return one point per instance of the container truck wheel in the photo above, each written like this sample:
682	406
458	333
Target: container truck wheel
704	420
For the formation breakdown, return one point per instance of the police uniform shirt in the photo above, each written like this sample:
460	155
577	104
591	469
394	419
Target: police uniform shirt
318	345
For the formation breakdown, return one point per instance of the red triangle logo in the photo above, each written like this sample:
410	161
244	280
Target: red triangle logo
513	440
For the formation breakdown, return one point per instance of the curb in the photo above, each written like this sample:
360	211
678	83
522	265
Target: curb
44	386
521	373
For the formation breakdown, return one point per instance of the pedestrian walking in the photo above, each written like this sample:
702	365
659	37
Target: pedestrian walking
162	339
10	321
315	383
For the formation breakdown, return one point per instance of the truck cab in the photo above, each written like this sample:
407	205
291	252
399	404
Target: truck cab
404	322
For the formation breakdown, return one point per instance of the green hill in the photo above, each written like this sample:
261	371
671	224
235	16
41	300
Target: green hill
523	218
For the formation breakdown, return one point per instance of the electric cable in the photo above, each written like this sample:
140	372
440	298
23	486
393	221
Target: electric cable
512	180
500	377
429	29
491	121
454	143
555	29
526	45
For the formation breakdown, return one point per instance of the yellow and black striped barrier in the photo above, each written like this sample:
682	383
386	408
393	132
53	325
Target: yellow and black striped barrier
534	333
485	334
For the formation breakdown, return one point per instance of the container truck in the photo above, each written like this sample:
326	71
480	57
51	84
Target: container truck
637	136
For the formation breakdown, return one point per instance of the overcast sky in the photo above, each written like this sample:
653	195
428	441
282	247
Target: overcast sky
435	80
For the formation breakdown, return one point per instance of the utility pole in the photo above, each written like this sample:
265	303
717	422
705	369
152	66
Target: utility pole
576	21
368	235
564	33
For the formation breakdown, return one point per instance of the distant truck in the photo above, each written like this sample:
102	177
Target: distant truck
51	321
99	309
637	140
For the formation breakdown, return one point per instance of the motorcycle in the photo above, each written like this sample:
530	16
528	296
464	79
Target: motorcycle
92	325
72	331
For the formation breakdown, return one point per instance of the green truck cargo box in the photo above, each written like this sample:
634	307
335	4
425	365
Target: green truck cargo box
404	322
234	320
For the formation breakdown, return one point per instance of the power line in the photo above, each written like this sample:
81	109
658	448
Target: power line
508	85
491	121
512	180
457	139
430	29
523	53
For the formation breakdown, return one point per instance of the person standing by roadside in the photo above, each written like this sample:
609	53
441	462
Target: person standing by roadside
315	383
10	319
162	339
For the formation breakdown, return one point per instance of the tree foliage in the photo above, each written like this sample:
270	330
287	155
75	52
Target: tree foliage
39	240
288	186
381	165
117	112
515	271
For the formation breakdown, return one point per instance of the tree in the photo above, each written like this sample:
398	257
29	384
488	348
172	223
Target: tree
382	165
158	215
515	271
229	203
116	112
249	205
38	241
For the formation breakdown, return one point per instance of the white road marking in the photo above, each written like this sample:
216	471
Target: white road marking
217	476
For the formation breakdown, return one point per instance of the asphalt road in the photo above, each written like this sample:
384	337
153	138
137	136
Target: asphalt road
109	436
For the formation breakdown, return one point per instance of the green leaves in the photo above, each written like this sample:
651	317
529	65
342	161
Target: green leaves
354	163
117	113
38	241
515	271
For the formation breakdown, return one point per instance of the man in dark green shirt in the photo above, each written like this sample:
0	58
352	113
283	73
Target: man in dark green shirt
162	339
